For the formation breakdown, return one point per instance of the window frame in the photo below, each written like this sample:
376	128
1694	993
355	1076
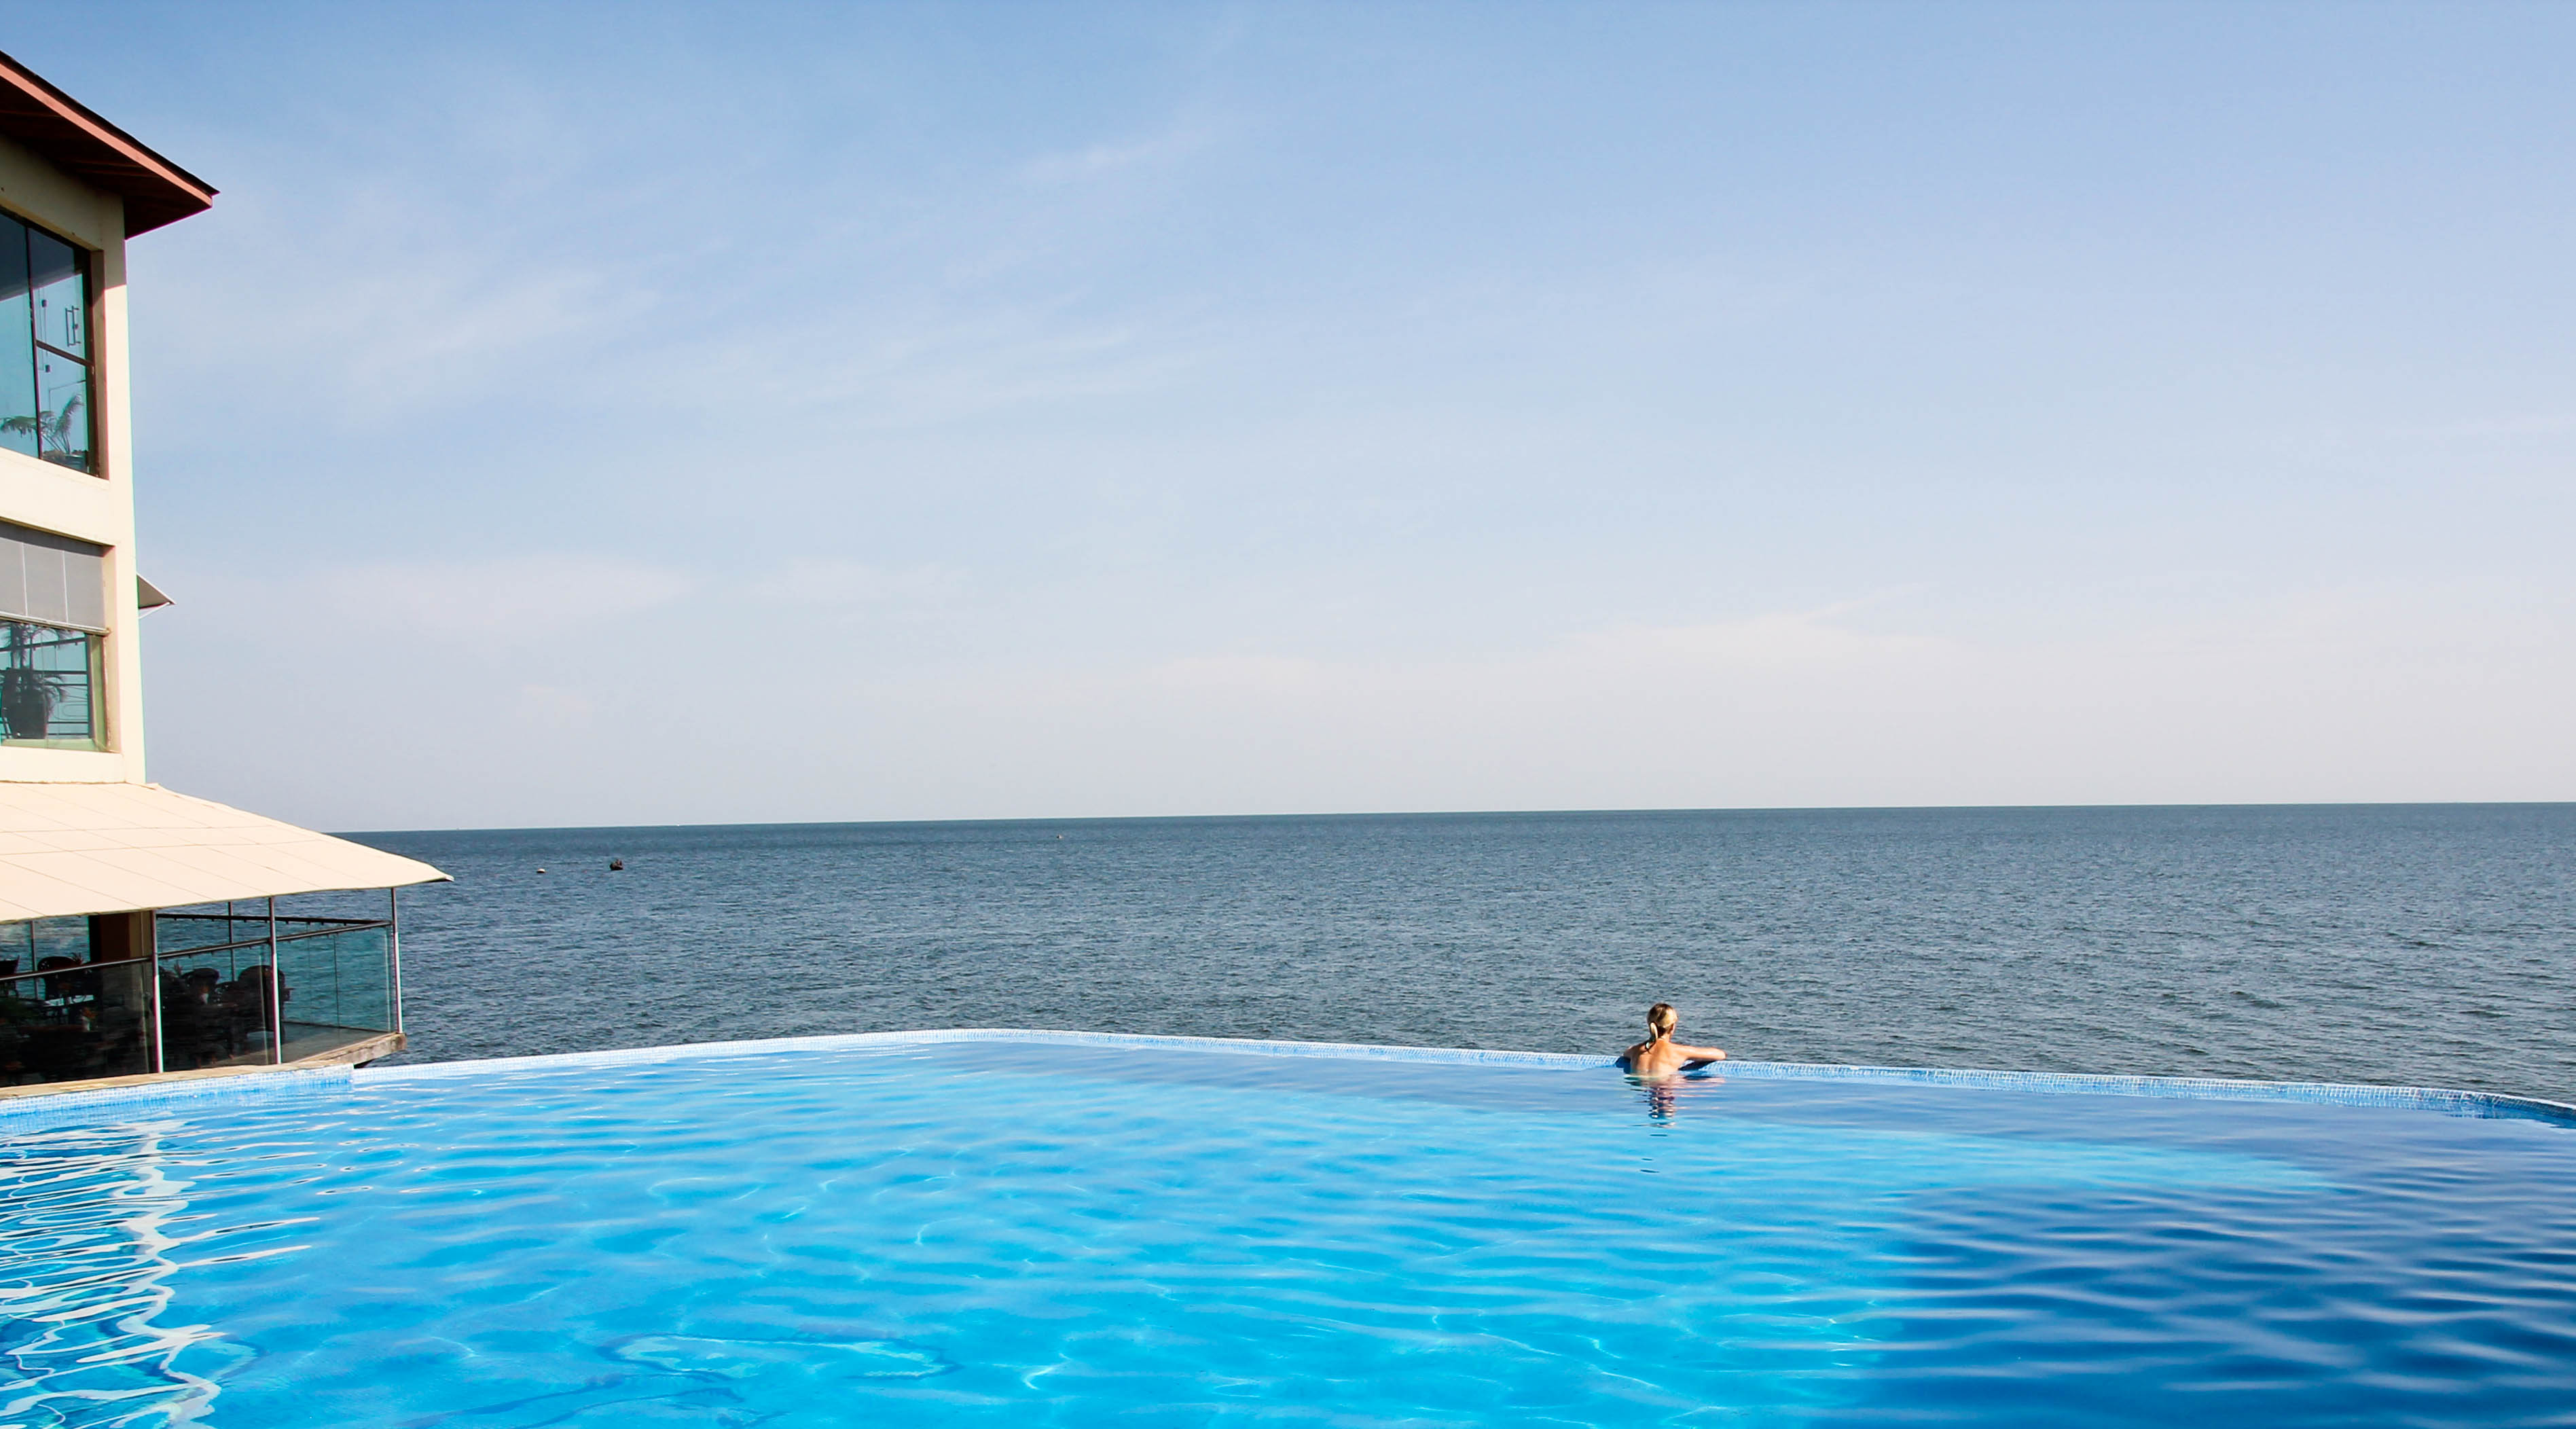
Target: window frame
85	261
93	691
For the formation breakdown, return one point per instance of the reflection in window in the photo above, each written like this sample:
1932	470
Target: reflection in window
45	388
48	682
239	988
62	410
248	984
64	1015
17	359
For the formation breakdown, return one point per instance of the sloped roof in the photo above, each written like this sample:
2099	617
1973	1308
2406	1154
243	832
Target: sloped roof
90	149
67	849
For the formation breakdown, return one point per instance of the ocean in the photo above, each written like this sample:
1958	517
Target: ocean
2418	944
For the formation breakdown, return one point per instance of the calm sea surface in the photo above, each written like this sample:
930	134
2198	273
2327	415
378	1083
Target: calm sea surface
2430	944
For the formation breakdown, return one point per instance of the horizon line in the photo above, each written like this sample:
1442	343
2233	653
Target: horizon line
1475	813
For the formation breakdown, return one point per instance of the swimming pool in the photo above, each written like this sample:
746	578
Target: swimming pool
1011	1229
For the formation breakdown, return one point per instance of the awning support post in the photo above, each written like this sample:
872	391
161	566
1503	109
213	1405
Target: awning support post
276	994
152	946
393	950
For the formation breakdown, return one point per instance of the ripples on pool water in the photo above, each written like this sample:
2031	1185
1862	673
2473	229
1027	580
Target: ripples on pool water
1012	1234
2425	944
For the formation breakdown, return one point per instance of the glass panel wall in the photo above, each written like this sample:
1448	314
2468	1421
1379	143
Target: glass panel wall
64	1016
215	1004
338	988
25	947
219	985
334	974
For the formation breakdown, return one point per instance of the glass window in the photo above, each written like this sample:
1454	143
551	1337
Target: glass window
49	678
45	395
17	359
60	281
62	409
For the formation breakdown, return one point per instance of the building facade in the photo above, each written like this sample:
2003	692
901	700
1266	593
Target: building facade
142	932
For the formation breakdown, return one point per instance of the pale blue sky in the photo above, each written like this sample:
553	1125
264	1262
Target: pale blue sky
632	413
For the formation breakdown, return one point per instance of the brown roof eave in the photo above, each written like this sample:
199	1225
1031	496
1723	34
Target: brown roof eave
81	144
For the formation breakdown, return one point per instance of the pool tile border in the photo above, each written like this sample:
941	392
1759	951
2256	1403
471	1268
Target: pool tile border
94	1107
37	1112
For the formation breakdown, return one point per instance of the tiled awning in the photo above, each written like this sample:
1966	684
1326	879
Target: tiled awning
67	849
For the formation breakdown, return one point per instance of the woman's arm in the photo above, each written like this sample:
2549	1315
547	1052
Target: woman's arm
1701	1054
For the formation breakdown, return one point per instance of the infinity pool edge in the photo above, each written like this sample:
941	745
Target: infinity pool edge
74	1107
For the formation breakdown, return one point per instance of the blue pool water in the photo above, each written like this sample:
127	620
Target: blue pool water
1019	1232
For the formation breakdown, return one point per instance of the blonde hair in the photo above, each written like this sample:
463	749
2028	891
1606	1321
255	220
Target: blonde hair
1660	1019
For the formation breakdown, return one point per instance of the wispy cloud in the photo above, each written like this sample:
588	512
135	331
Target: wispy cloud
518	600
1099	161
853	585
2528	424
554	707
387	325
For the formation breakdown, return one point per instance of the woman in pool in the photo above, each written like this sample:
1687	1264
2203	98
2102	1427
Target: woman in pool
1659	1055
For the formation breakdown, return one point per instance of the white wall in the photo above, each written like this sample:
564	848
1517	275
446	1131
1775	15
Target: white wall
96	507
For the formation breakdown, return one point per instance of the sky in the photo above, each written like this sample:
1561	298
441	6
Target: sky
643	413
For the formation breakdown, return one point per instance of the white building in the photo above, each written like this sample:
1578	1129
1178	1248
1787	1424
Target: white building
142	931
